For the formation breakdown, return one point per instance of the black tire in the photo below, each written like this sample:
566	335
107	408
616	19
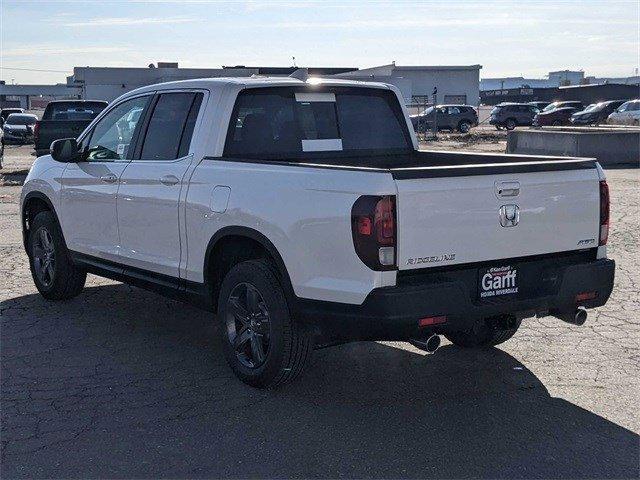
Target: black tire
288	344
556	123
464	126
510	124
484	334
63	280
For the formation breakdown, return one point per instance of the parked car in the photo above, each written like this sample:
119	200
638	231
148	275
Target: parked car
511	115
64	119
5	112
1	147
627	114
555	117
449	117
595	113
564	104
18	129
539	104
305	215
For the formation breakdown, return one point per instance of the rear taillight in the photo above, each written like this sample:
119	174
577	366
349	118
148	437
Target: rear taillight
373	226
604	212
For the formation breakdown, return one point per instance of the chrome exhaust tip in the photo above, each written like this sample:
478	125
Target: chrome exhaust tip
579	317
430	345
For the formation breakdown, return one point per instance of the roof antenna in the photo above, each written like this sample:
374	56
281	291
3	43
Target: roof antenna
301	74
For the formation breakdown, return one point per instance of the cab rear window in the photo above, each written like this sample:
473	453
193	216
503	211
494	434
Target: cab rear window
289	122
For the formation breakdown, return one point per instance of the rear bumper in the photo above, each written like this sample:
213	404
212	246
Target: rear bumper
392	313
9	139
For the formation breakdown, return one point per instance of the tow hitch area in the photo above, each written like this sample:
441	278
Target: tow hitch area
430	345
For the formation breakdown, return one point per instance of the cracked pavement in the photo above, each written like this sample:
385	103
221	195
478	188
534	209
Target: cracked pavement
123	383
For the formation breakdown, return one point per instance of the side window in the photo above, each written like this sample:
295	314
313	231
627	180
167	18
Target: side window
166	126
454	111
112	135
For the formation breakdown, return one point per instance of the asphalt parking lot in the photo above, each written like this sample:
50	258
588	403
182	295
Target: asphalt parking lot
122	383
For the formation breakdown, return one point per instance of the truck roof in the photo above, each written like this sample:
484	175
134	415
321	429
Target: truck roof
220	82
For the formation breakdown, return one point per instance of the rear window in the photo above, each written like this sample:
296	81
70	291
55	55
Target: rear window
73	110
287	122
18	119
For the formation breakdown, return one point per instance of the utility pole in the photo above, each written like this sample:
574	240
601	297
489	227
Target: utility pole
435	112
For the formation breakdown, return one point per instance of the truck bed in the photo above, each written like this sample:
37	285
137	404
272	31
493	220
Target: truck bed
432	163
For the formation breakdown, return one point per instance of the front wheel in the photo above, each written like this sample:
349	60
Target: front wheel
262	344
510	124
487	333
54	273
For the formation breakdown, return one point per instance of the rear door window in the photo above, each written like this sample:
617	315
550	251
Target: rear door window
167	126
286	122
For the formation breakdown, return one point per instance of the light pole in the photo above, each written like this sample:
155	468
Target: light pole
435	112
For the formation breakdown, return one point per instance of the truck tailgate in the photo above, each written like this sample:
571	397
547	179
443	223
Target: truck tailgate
503	213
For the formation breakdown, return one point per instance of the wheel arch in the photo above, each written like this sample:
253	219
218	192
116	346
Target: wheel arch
241	244
35	202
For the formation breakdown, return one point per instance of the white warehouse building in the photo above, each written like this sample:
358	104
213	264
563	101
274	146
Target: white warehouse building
455	84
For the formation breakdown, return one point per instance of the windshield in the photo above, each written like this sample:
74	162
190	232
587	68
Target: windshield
285	123
17	119
594	106
427	111
496	109
551	106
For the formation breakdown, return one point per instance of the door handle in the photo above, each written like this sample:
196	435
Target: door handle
109	178
169	180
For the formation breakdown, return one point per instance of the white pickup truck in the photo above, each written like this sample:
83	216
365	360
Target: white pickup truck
303	213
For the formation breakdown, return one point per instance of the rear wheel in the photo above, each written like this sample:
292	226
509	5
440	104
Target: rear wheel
487	333
464	126
53	271
262	344
510	124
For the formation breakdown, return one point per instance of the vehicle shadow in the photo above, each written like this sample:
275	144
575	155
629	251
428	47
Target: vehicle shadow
135	386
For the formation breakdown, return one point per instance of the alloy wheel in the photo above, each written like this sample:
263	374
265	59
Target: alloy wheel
44	257
248	325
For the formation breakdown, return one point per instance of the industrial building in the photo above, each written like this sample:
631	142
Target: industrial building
587	94
560	78
455	84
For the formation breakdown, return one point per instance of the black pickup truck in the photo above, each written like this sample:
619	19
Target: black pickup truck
64	119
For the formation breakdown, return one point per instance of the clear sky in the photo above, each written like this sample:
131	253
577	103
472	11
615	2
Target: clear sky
508	38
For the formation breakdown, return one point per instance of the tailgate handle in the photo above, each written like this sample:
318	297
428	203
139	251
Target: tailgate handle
507	189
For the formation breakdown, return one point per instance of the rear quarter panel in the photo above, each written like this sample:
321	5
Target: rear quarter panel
304	212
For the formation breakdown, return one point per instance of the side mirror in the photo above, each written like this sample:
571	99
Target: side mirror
65	150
